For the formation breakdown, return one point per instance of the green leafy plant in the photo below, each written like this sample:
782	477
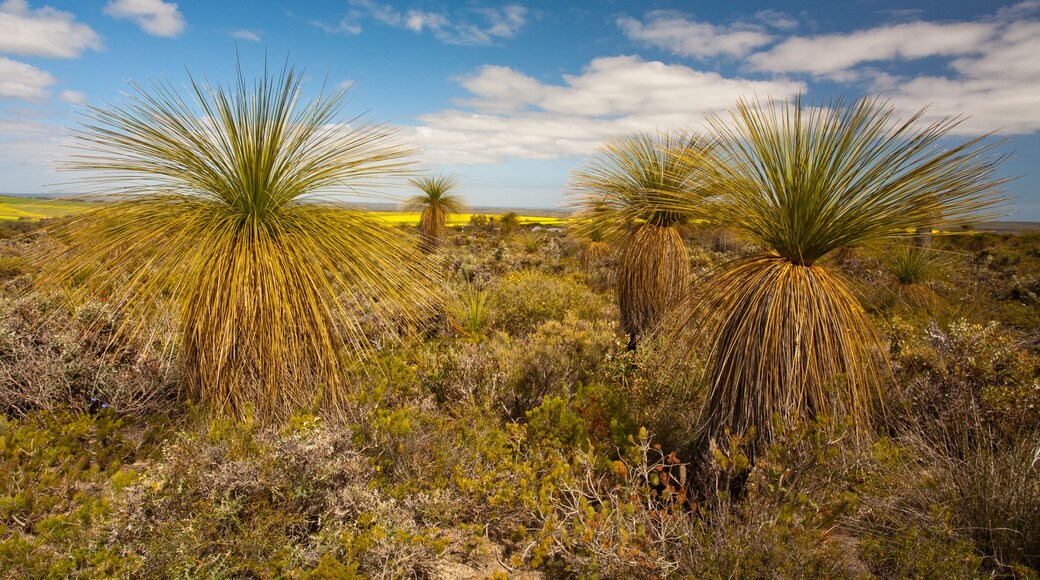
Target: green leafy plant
220	210
471	308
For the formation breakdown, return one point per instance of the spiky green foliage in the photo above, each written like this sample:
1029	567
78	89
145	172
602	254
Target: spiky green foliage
509	222
910	266
436	203
471	308
636	190
221	215
786	334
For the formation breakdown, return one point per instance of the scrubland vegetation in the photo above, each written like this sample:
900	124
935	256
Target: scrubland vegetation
217	376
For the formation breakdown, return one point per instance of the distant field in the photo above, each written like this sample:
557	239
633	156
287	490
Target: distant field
13	207
397	217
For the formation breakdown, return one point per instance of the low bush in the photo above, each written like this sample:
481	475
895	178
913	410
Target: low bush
523	300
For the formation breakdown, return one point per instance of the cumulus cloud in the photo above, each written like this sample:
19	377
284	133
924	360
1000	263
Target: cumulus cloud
513	115
23	81
999	88
43	32
469	27
834	53
245	35
987	69
677	34
155	17
417	21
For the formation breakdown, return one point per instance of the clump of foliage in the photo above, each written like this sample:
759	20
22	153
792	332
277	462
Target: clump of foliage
523	300
508	222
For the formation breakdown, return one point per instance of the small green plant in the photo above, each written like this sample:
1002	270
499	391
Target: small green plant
531	242
471	308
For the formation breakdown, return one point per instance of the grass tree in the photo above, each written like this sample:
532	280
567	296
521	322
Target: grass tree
435	204
508	222
220	211
637	190
786	334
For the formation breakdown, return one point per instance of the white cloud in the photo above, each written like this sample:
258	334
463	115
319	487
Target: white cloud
155	17
777	19
43	32
345	27
245	35
504	22
473	26
23	81
999	88
677	34
513	115
74	97
834	53
417	20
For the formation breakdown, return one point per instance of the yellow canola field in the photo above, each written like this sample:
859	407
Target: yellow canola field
14	207
396	217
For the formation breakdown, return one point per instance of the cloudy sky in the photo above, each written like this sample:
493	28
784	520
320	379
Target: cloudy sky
511	96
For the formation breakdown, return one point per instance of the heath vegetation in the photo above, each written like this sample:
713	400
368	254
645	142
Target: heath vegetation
737	360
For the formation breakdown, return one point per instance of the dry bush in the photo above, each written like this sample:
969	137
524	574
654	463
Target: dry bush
239	501
82	363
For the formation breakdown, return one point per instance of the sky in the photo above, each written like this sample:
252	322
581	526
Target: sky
512	96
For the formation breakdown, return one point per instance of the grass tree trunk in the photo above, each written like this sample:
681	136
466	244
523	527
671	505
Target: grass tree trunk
432	227
792	340
255	369
653	273
923	237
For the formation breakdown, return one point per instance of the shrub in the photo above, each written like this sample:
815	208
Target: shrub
970	385
523	300
49	364
60	474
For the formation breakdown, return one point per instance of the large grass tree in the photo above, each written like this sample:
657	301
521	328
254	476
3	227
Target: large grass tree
636	191
219	206
786	333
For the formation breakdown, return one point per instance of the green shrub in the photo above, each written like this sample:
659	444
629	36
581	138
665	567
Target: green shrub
60	478
523	300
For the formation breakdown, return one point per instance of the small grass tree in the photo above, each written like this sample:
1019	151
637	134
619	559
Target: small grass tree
786	334
435	204
219	210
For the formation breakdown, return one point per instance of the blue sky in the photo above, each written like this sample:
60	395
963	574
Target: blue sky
511	96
